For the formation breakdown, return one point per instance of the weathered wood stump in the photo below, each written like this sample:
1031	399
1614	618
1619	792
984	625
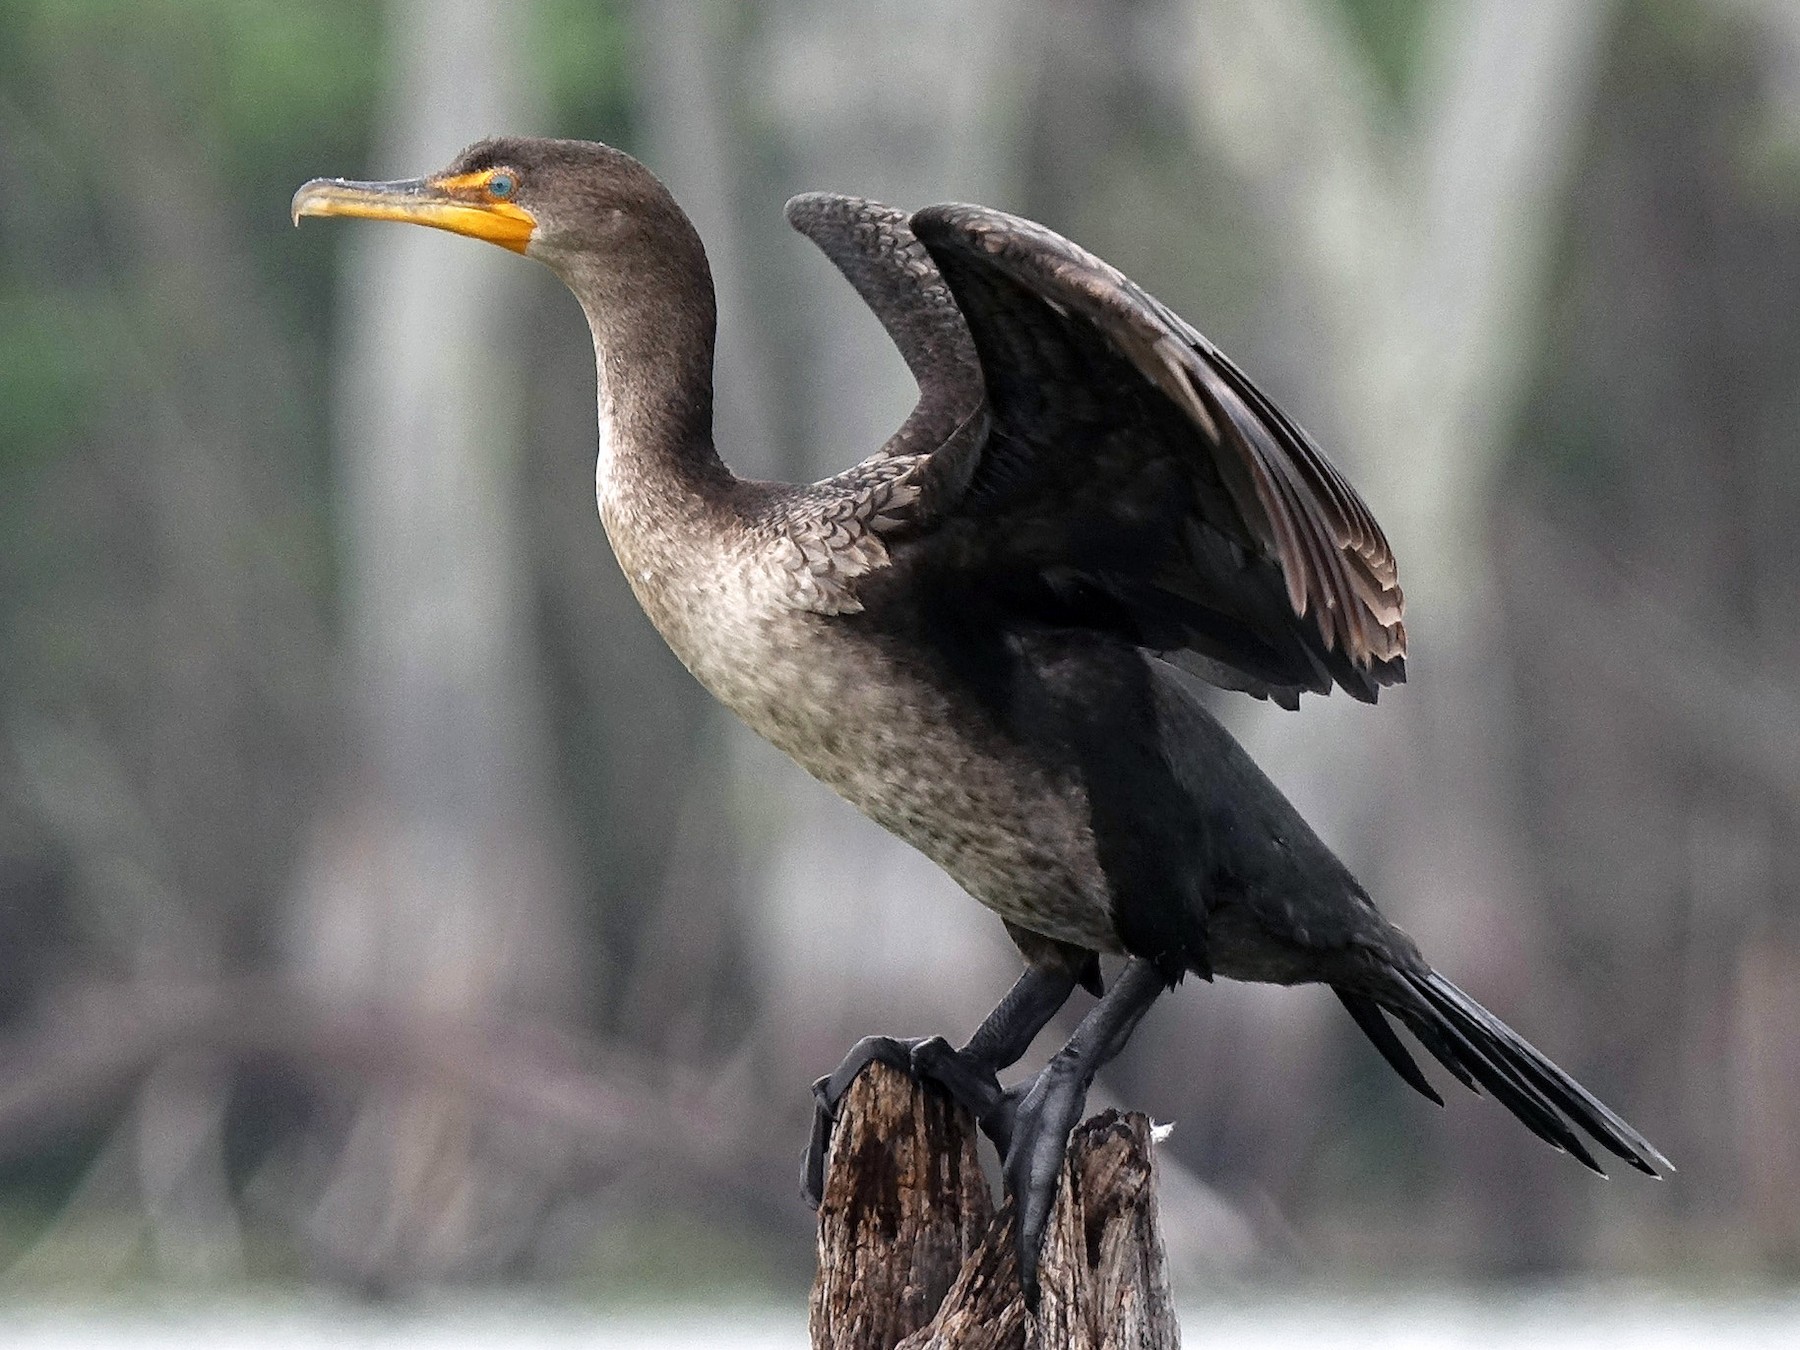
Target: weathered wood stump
912	1253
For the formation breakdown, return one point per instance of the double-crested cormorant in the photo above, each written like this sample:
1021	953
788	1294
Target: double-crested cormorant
974	634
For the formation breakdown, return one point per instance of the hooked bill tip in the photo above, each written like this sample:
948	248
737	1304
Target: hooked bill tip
308	195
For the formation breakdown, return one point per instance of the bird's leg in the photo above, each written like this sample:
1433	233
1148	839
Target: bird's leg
1054	1100
969	1075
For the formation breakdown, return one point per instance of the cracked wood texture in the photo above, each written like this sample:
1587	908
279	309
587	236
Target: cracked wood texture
913	1255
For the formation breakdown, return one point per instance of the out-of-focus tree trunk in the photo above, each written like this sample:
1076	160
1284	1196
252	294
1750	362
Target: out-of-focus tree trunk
1424	250
1767	992
435	877
687	977
164	661
691	138
1665	712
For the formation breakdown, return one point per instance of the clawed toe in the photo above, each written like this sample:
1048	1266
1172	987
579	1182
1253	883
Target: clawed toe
889	1050
1033	1164
966	1078
971	1082
829	1091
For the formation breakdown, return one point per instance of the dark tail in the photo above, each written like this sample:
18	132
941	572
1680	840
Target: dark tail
1481	1051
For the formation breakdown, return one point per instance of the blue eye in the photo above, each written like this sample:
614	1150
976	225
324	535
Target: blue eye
501	185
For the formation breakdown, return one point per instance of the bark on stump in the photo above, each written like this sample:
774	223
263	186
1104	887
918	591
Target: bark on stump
913	1255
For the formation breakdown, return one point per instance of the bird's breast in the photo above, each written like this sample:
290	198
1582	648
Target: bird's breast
870	715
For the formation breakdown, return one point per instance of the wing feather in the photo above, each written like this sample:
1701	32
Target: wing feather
1096	438
1069	429
874	247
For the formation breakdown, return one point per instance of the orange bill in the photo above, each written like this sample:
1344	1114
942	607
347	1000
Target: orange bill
460	204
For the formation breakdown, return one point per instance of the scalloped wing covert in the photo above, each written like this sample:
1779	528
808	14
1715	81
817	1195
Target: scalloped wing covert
831	534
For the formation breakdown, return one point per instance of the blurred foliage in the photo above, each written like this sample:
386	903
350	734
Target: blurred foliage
269	94
586	54
261	86
1392	33
1684	173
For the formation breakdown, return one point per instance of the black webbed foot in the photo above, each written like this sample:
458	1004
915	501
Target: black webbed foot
968	1074
966	1078
829	1091
970	1080
1049	1108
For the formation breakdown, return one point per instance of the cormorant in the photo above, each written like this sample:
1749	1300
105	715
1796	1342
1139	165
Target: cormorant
974	634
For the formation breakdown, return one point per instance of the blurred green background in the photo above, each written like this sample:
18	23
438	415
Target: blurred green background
381	906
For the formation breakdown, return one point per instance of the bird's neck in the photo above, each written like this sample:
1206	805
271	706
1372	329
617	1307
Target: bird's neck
662	489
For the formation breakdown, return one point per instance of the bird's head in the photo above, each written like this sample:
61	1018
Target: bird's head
555	200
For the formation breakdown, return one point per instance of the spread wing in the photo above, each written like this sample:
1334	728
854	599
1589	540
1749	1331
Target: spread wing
874	247
830	533
1098	440
1152	485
